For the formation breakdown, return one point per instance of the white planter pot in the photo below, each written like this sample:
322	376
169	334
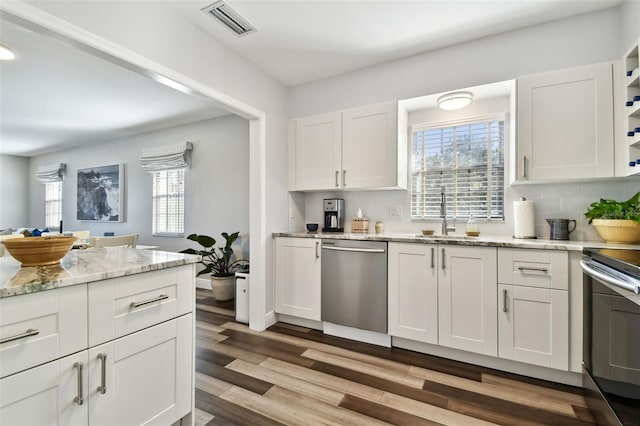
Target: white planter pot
224	288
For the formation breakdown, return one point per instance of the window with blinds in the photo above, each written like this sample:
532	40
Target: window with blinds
467	158
53	203
168	202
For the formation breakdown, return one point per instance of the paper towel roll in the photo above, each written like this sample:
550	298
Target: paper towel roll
524	219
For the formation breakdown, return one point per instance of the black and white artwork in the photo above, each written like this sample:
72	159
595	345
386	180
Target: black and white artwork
100	195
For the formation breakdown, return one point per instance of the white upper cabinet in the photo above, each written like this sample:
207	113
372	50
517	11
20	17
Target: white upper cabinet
565	124
358	148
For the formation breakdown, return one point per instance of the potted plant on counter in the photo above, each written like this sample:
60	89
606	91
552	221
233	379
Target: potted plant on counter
615	221
219	263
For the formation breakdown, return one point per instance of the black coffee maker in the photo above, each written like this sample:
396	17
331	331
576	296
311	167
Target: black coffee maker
333	215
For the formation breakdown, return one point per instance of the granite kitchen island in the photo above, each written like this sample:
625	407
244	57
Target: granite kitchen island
105	337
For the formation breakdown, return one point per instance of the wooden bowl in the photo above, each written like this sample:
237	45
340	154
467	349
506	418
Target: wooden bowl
427	232
618	230
39	251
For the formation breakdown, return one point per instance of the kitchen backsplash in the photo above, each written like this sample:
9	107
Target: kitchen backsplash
568	201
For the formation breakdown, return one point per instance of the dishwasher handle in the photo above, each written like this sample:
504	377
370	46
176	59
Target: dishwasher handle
354	249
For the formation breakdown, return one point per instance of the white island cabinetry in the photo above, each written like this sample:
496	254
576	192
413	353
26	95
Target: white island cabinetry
133	366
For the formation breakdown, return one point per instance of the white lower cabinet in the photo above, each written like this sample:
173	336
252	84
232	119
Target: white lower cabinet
467	285
297	277
413	291
533	325
47	394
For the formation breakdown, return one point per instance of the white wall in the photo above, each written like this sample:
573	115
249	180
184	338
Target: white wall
216	185
560	44
14	191
630	15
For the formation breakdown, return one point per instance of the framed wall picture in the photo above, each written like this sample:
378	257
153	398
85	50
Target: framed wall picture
101	193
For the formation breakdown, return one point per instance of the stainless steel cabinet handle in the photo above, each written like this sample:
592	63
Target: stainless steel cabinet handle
79	399
504	300
433	255
146	302
443	266
103	374
30	332
528	268
317	247
524	166
337	176
344	178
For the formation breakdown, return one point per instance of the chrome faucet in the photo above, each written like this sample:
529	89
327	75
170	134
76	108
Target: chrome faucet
443	213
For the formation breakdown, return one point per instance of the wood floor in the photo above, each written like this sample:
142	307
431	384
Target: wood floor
297	376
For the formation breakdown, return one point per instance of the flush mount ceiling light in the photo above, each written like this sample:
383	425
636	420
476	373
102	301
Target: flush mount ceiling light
6	54
454	100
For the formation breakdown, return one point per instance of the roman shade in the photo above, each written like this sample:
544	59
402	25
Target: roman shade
51	172
166	157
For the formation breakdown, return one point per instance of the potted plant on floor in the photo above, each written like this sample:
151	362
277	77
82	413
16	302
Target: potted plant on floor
615	221
219	263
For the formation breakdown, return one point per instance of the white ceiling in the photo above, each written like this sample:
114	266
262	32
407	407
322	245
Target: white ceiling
299	41
55	96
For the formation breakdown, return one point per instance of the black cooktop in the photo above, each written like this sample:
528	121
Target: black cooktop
624	260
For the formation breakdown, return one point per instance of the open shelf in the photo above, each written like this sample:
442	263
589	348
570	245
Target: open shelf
635	140
634	80
634	111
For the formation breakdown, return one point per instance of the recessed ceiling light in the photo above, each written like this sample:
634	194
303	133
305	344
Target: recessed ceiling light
455	100
6	54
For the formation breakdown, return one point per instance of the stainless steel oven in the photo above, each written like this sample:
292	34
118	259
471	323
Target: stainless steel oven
611	335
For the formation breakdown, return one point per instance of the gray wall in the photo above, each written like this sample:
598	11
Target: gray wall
216	191
14	191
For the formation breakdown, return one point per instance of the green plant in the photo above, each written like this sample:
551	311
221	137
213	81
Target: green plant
611	209
218	262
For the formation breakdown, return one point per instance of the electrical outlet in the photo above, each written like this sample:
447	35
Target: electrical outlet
395	212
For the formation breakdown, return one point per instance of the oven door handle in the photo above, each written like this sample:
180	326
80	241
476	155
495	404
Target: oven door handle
357	250
608	278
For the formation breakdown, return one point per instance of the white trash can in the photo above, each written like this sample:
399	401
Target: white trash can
242	297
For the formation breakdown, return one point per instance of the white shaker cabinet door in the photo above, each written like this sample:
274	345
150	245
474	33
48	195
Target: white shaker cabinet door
534	325
413	291
318	142
147	376
467	285
297	277
50	394
565	124
370	146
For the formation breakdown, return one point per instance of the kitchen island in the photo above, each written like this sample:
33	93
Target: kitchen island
106	337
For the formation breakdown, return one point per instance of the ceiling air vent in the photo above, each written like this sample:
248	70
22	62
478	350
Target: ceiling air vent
232	19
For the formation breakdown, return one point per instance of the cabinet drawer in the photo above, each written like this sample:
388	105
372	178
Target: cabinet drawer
121	306
534	268
40	327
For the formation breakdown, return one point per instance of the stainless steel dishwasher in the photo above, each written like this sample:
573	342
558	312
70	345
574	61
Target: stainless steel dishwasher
354	284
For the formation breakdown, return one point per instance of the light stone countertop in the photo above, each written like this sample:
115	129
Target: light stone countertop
457	239
82	266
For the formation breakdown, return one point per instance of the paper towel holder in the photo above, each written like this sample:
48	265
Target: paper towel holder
522	237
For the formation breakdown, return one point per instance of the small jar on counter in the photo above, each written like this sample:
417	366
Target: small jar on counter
379	227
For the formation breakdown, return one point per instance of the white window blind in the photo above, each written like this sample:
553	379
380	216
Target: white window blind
168	202
468	160
53	203
174	156
50	172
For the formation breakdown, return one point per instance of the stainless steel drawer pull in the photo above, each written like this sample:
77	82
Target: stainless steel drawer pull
524	166
30	332
317	247
433	256
528	268
79	399
103	374
443	266
146	302
344	178
504	300
337	176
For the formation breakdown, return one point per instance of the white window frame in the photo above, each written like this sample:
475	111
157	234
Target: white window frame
52	203
450	192
173	201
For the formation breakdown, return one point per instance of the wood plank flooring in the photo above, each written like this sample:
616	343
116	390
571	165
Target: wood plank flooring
297	376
